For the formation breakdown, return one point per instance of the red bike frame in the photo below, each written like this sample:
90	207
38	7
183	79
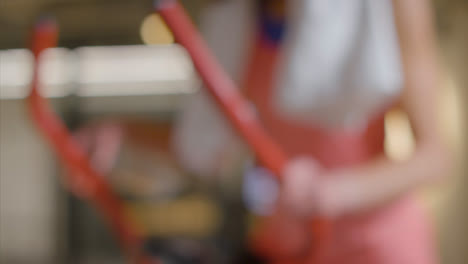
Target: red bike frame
86	182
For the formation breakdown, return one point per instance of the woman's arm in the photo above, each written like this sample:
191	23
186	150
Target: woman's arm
382	180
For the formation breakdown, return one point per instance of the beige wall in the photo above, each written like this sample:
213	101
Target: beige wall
27	190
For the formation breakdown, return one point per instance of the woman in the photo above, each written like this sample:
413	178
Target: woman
340	171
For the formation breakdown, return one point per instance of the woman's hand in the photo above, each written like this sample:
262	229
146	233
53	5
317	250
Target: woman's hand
300	186
309	191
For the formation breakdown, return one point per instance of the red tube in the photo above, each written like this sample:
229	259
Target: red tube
222	88
82	178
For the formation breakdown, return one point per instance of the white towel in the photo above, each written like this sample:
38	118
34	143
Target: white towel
341	61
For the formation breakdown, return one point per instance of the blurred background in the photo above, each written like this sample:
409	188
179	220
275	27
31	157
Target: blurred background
117	63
